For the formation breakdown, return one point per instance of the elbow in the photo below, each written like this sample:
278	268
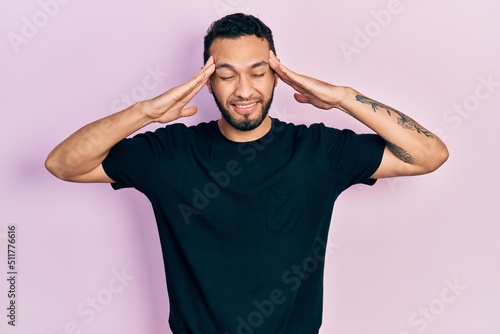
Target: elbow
442	156
51	166
55	167
437	159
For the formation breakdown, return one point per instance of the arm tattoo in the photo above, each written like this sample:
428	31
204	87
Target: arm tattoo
400	153
373	103
405	121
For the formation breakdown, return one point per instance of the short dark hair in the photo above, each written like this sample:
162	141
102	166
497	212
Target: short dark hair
234	26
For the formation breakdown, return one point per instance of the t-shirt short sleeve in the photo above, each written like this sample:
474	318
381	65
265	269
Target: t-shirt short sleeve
132	162
352	158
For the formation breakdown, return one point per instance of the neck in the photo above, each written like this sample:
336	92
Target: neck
244	136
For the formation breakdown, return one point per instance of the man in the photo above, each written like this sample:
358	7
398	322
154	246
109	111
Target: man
243	204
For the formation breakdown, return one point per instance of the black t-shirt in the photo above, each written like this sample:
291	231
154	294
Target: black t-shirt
243	226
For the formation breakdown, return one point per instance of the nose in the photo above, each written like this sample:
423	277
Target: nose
244	89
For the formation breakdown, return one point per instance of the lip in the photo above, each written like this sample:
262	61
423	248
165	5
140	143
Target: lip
245	108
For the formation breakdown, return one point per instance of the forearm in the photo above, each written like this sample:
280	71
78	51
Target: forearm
78	158
406	139
85	149
420	150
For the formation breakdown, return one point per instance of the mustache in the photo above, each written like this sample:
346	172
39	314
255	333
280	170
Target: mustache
245	100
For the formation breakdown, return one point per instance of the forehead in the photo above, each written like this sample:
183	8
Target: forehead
242	51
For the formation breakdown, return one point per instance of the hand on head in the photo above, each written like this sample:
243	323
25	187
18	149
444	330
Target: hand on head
309	90
171	105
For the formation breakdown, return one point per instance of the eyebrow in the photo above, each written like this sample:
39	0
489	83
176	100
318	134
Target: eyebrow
231	67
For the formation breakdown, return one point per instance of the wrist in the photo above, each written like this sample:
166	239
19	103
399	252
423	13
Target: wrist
345	97
143	110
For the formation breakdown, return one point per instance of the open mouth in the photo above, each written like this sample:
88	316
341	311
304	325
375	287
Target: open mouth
245	108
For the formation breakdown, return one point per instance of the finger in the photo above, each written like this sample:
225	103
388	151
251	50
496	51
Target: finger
318	103
285	74
189	111
273	61
275	64
187	96
301	98
208	64
203	75
193	86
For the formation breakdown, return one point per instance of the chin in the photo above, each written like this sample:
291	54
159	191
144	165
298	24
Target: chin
247	124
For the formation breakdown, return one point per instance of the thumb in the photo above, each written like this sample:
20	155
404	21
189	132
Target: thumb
301	98
189	111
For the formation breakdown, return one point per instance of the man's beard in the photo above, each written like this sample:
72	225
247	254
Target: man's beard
246	124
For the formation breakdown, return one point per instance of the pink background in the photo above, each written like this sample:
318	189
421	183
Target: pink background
395	248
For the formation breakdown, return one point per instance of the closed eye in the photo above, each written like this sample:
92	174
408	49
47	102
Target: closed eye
226	78
258	75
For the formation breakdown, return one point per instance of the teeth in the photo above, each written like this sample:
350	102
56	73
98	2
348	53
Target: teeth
246	106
